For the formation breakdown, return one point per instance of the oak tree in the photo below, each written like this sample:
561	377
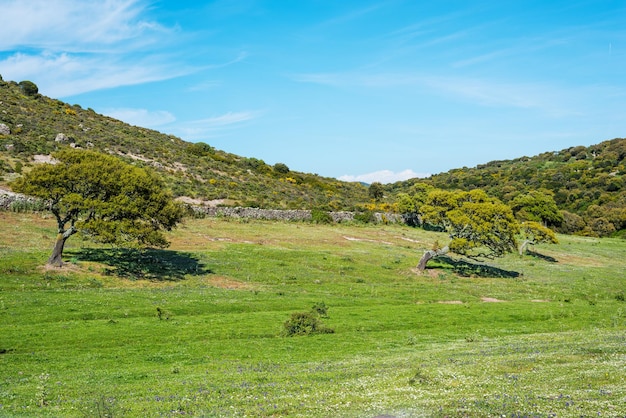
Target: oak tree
103	198
479	226
535	233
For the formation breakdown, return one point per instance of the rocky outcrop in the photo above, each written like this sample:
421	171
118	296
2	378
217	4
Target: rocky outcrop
4	129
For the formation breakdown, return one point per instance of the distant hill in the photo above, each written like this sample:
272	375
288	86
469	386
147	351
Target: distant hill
35	126
587	183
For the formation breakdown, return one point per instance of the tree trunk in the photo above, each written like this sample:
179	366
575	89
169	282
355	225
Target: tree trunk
421	266
56	258
522	248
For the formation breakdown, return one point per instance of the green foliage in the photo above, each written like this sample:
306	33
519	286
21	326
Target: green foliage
305	323
535	233
376	191
573	179
320	216
366	217
28	88
479	226
537	206
281	168
103	198
200	149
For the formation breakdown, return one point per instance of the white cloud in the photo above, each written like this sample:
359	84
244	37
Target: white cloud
383	176
141	117
71	25
70	47
62	75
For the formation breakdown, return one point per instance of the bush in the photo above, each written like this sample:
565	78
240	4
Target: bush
321	309
366	217
281	168
28	88
321	217
305	323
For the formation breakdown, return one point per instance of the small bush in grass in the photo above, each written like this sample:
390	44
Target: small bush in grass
305	323
366	217
319	216
321	309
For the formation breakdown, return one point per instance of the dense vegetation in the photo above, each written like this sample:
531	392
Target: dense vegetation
587	184
39	126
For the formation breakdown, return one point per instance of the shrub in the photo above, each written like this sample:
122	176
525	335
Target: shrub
365	217
281	168
28	88
321	217
321	309
305	323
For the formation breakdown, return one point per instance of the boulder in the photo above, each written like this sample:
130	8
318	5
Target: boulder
61	138
4	129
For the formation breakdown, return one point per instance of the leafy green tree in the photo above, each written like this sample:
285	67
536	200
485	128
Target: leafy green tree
102	197
537	206
29	88
281	168
535	233
376	191
479	226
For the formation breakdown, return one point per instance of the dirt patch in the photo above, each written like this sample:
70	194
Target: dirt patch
226	283
367	240
451	302
540	300
491	300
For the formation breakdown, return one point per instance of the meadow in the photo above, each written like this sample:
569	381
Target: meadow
198	329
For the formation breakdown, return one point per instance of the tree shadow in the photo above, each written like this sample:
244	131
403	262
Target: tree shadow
146	264
542	256
468	269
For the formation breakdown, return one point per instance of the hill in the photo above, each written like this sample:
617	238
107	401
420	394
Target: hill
587	184
35	126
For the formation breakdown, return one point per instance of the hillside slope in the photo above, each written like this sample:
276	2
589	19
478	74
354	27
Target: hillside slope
36	126
587	183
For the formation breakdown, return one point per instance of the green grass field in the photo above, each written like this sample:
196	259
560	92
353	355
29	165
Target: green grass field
197	330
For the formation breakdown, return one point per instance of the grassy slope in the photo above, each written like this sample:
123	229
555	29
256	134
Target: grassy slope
84	341
193	170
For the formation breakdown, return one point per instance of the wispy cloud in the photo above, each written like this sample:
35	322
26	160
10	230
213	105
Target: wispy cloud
69	47
214	125
61	75
549	98
141	117
383	176
77	26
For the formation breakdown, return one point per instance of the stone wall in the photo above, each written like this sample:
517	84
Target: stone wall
286	215
7	198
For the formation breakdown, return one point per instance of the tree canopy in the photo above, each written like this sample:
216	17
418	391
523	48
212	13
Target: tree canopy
479	226
103	198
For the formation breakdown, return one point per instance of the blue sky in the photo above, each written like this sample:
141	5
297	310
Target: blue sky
365	90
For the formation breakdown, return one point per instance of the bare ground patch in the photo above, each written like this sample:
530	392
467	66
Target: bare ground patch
226	283
491	300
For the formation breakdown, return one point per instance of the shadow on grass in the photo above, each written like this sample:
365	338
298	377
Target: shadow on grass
468	269
542	256
148	264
